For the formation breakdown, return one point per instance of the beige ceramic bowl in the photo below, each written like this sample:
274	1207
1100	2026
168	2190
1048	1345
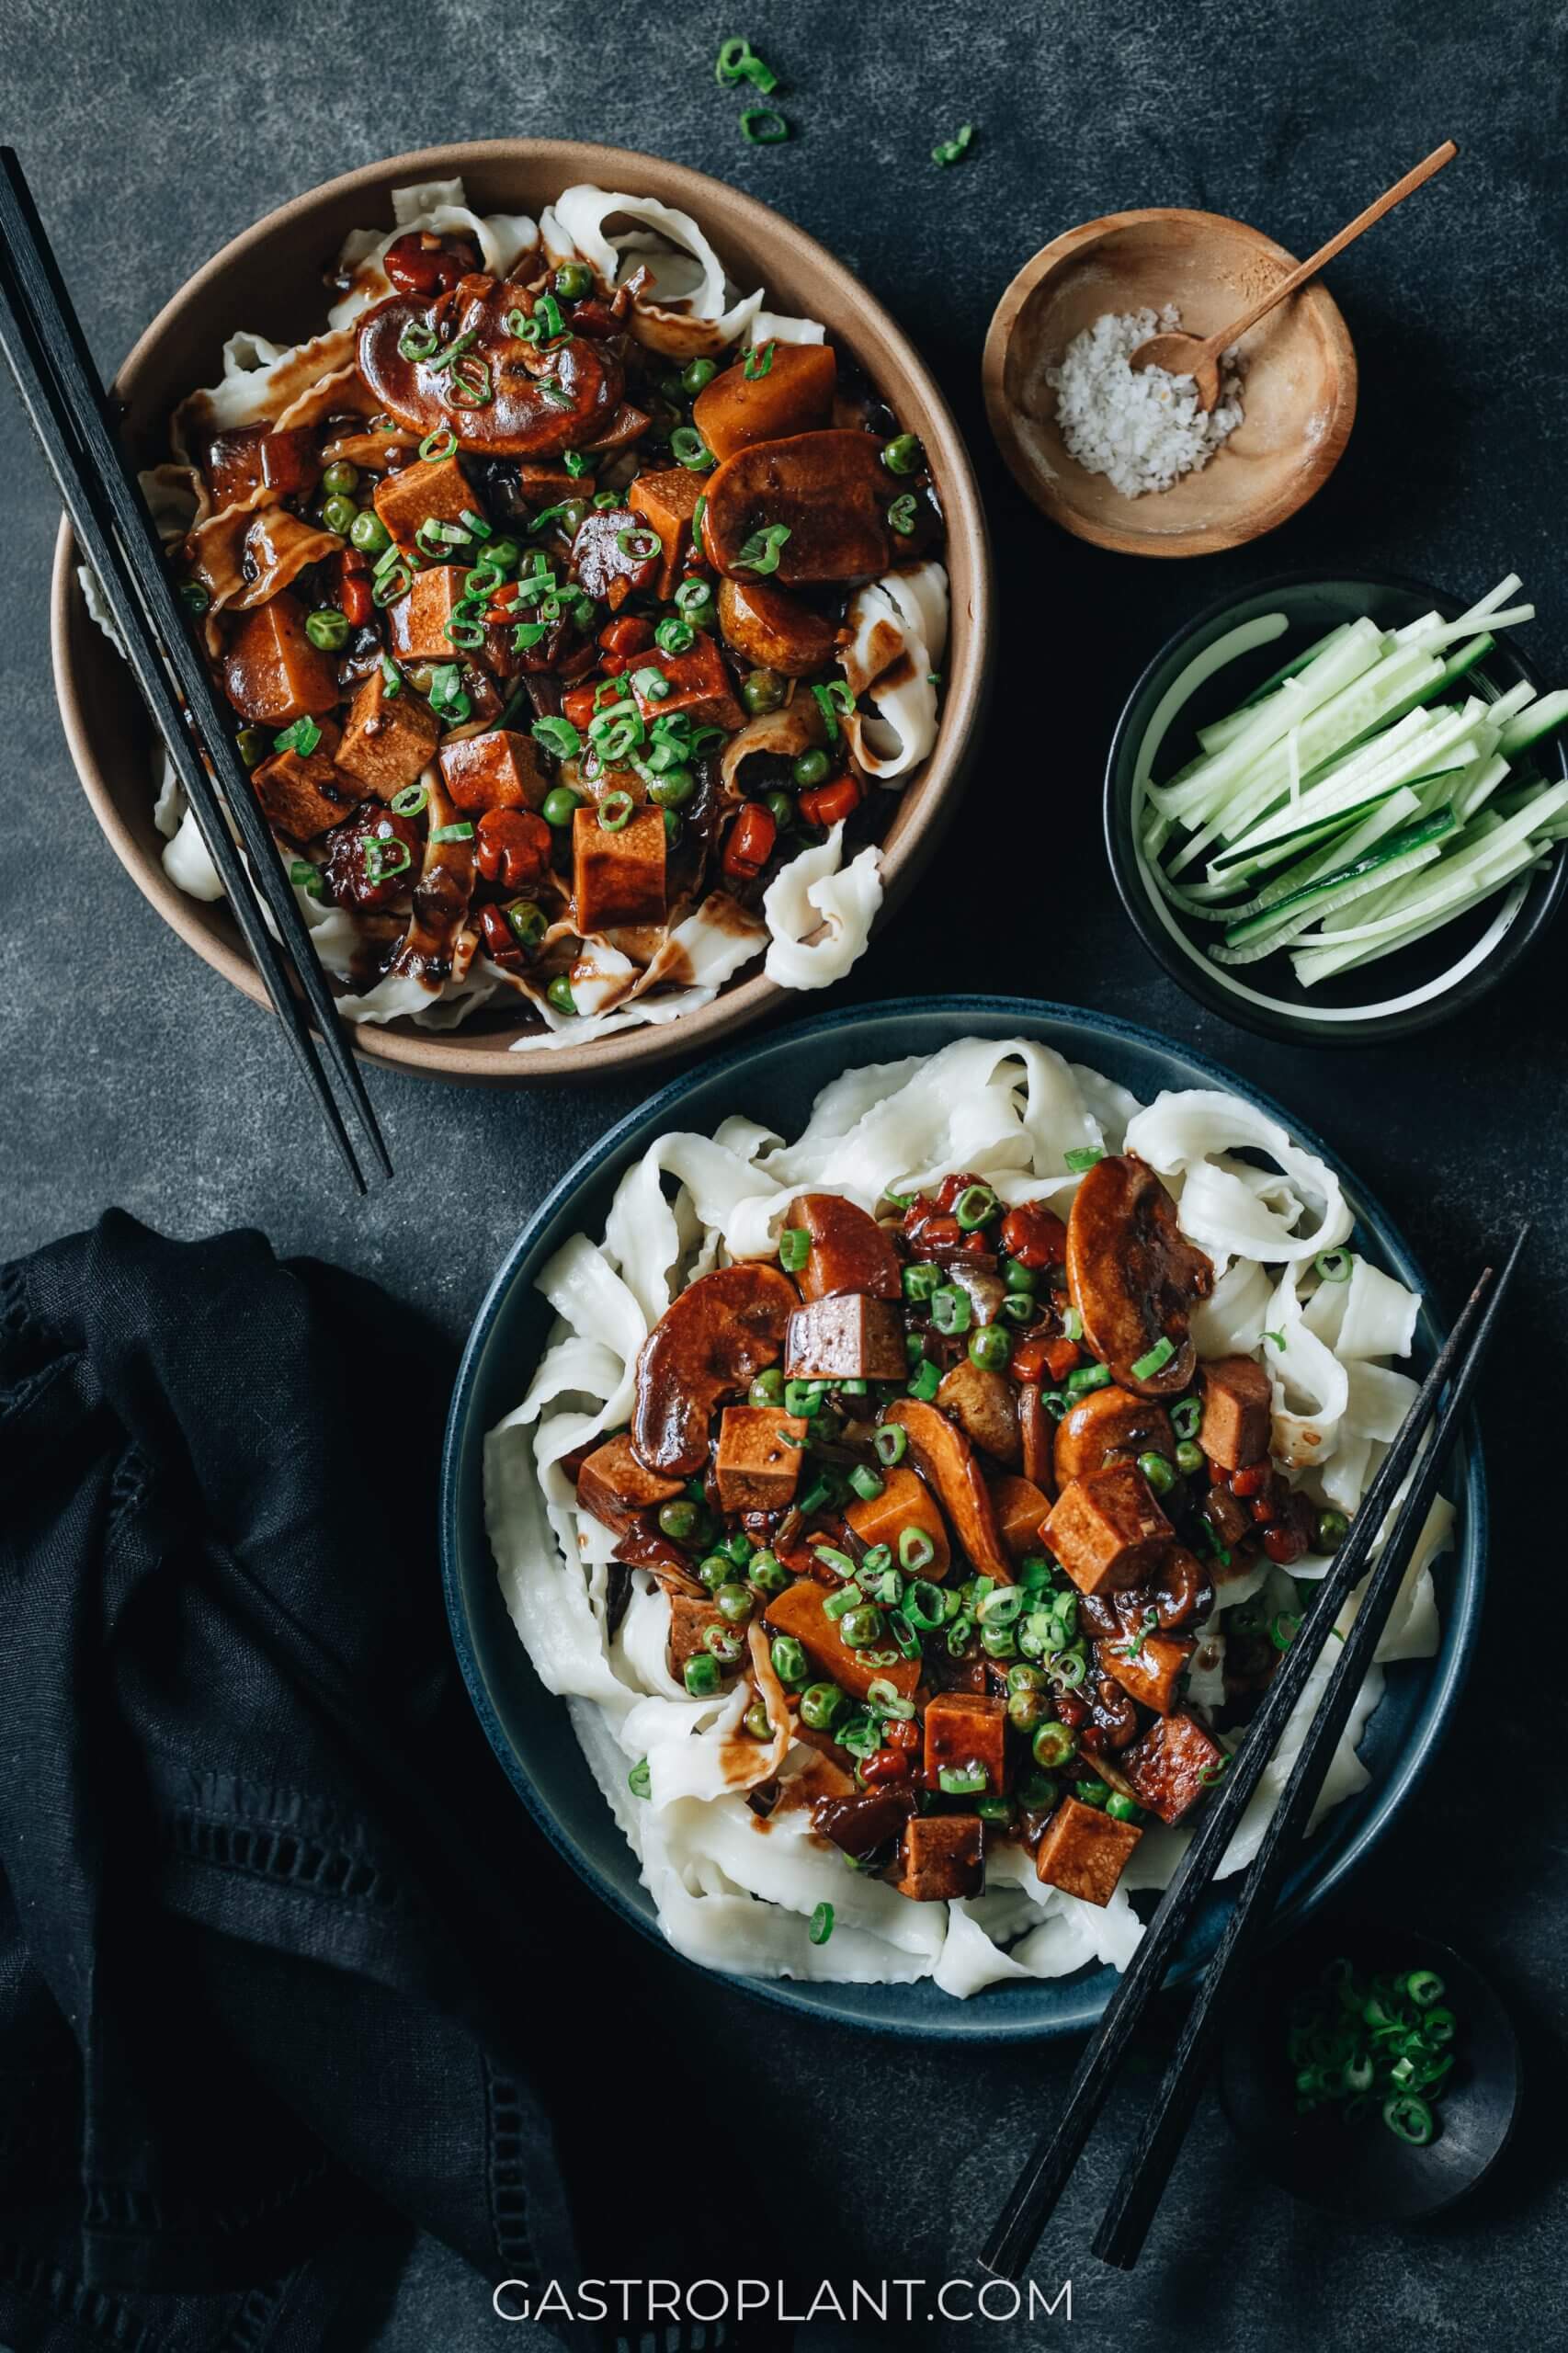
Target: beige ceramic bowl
1299	391
269	281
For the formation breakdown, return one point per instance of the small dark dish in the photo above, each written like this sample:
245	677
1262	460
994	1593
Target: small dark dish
1424	983
1362	2170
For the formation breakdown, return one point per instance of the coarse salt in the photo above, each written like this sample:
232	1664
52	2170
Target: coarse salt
1142	429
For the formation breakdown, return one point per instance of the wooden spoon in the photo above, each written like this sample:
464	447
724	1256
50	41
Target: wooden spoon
1189	355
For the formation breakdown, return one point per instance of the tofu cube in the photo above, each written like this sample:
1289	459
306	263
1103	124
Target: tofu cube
1083	1851
499	769
272	673
615	1487
1167	1767
757	1465
850	1337
800	1611
618	878
905	1502
606	560
419	620
942	1857
303	793
666	503
698	686
1150	1669
1107	1528
431	490
388	738
689	1621
1020	1508
1238	1408
965	1730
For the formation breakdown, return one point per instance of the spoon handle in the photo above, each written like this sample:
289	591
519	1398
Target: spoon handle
1325	254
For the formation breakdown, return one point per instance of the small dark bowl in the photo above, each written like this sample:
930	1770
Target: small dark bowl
1427	982
1363	2171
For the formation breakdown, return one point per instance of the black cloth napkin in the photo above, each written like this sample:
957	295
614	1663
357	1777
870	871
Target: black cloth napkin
270	1920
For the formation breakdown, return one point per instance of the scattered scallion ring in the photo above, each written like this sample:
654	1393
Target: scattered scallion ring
616	811
1335	1265
440	443
764	126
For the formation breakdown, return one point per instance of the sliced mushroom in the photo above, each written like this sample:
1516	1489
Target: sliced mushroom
540	399
1106	1423
983	1405
946	1459
828	491
791	393
774	629
722	1331
1133	1274
849	1251
1037	1431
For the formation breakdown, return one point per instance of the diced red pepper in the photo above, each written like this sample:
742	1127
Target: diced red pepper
829	803
629	634
1284	1543
1061	1357
578	707
751	841
1028	1361
885	1765
1251	1480
1265	1510
359	605
902	1732
1034	1236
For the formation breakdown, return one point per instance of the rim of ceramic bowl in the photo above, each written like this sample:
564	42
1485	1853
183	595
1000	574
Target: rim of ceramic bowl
919	817
1211	540
1319	1873
1523	915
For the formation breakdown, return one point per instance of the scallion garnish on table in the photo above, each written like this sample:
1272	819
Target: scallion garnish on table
1381	2045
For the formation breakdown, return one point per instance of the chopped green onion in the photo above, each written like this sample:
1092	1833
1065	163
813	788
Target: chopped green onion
1144	1368
689	449
950	150
1186	1416
760	553
821	1928
1084	1157
890	1442
461	832
419	340
1335	1265
764	126
738	61
411	799
902	515
759	361
916	1550
639	1780
441	443
557	735
302	736
866	1483
307	878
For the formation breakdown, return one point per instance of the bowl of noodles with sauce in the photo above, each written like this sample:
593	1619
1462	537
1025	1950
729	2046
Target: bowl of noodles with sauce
600	586
882	1479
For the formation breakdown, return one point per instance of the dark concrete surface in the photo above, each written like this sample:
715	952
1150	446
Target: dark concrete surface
152	133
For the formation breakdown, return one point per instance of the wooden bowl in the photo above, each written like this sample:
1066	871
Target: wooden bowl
269	281
1298	390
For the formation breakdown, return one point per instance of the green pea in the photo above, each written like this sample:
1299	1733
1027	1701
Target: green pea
338	514
1122	1809
327	630
902	454
1089	1792
790	1662
696	375
715	1571
821	1704
677	1521
861	1629
701	1676
735	1602
369	533
1039	1792
755	1722
1158	1471
990	1348
767	1389
1053	1744
1026	1710
780	807
761	691
560	994
738	1546
503	554
560	805
1332	1530
194	597
810	768
1020	1278
672	826
253	744
340	479
1189	1457
671	388
573	279
767	1573
673	788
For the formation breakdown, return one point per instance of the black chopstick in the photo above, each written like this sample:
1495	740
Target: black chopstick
48	353
1125	2225
1040	2184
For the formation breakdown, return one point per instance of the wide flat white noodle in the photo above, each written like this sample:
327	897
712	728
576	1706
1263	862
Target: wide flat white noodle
898	631
774	326
731	1890
1189	1137
688	294
817	893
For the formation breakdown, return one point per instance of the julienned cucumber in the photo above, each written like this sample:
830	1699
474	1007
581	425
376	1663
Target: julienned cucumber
1363	788
1330	891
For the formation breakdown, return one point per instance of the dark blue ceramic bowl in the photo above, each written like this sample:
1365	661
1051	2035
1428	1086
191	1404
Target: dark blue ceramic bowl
775	1080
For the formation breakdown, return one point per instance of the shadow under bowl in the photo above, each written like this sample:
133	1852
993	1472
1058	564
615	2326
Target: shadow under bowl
1362	2171
1427	981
